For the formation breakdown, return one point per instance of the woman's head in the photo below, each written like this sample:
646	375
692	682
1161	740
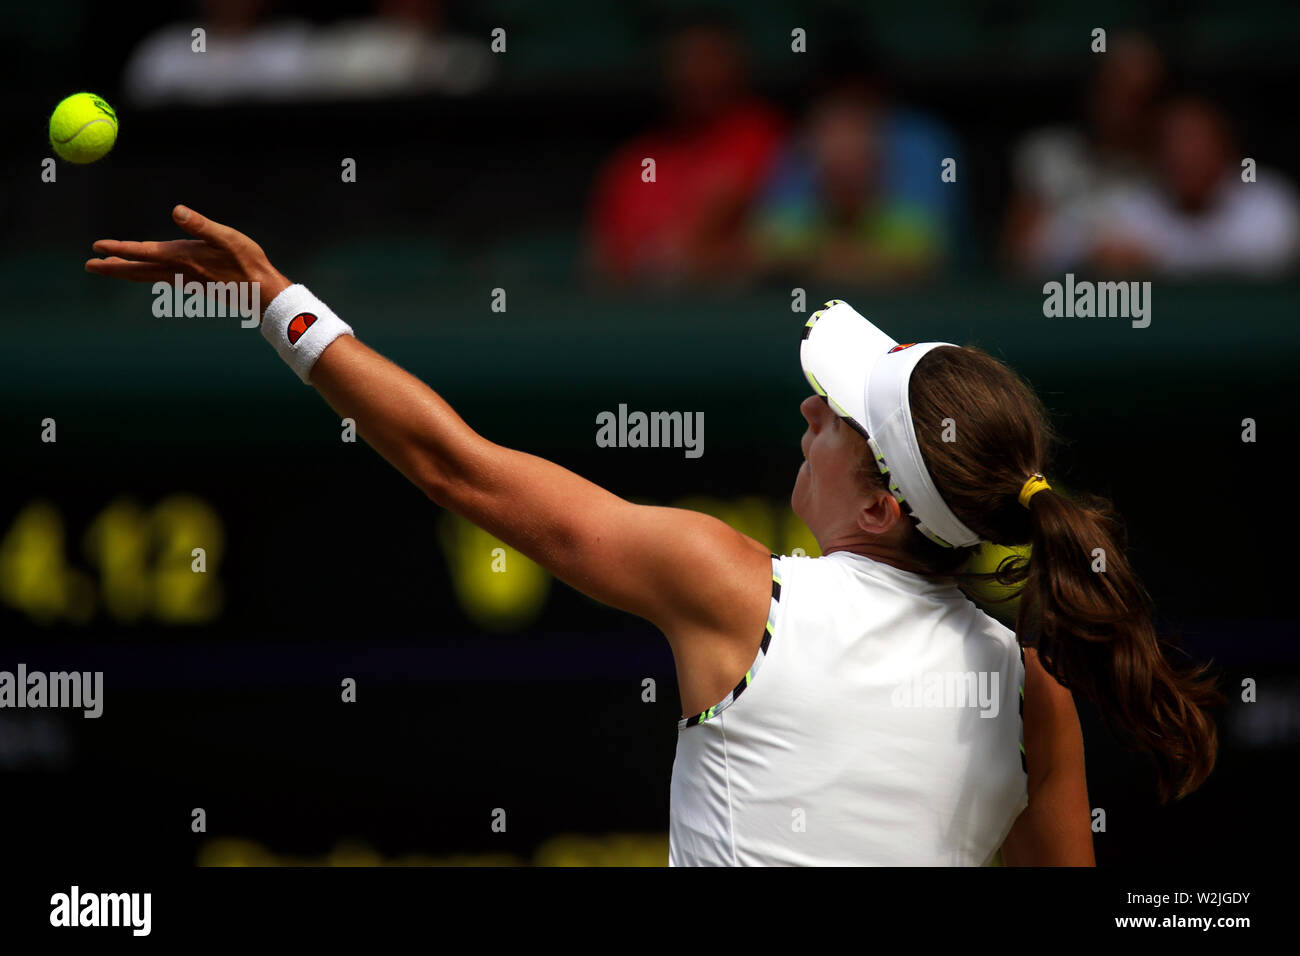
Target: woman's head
982	432
844	508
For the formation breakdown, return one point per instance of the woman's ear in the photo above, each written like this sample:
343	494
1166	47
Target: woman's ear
880	513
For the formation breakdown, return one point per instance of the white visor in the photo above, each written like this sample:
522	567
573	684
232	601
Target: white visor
864	374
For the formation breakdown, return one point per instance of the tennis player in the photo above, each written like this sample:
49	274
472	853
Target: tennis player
855	708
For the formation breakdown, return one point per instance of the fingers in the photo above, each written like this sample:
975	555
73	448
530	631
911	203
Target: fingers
196	224
218	253
118	268
173	250
140	251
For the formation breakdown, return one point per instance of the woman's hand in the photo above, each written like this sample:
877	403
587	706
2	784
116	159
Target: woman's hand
217	254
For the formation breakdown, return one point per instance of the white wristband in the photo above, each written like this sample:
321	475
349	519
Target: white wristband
301	326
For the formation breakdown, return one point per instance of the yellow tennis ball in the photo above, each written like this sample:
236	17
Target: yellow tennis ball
1000	600
83	128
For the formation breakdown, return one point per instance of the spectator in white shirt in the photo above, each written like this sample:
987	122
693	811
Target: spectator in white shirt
1200	217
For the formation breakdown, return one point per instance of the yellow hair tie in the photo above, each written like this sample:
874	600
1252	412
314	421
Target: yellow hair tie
1033	486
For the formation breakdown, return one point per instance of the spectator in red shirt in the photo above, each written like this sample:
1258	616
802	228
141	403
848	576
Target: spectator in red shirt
710	157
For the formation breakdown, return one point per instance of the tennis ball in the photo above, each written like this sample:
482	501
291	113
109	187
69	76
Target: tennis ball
1000	600
83	128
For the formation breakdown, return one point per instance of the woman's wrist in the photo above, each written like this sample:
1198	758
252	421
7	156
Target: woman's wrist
271	286
300	327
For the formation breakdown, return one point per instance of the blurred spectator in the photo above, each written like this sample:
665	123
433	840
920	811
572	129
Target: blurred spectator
403	48
245	57
858	196
1063	175
710	155
1201	219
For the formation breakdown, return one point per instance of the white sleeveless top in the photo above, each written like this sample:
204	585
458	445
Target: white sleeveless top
879	725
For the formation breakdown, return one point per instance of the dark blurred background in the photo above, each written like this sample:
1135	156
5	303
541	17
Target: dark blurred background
783	178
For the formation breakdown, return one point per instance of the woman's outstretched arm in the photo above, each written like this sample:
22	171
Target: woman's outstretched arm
704	584
668	565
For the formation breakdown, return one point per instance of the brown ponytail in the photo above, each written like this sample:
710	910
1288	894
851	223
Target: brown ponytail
1092	628
1094	635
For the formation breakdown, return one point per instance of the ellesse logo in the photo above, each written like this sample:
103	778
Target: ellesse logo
899	348
300	324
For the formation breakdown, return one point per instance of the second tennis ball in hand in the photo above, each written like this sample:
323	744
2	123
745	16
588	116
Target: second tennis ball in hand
83	128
